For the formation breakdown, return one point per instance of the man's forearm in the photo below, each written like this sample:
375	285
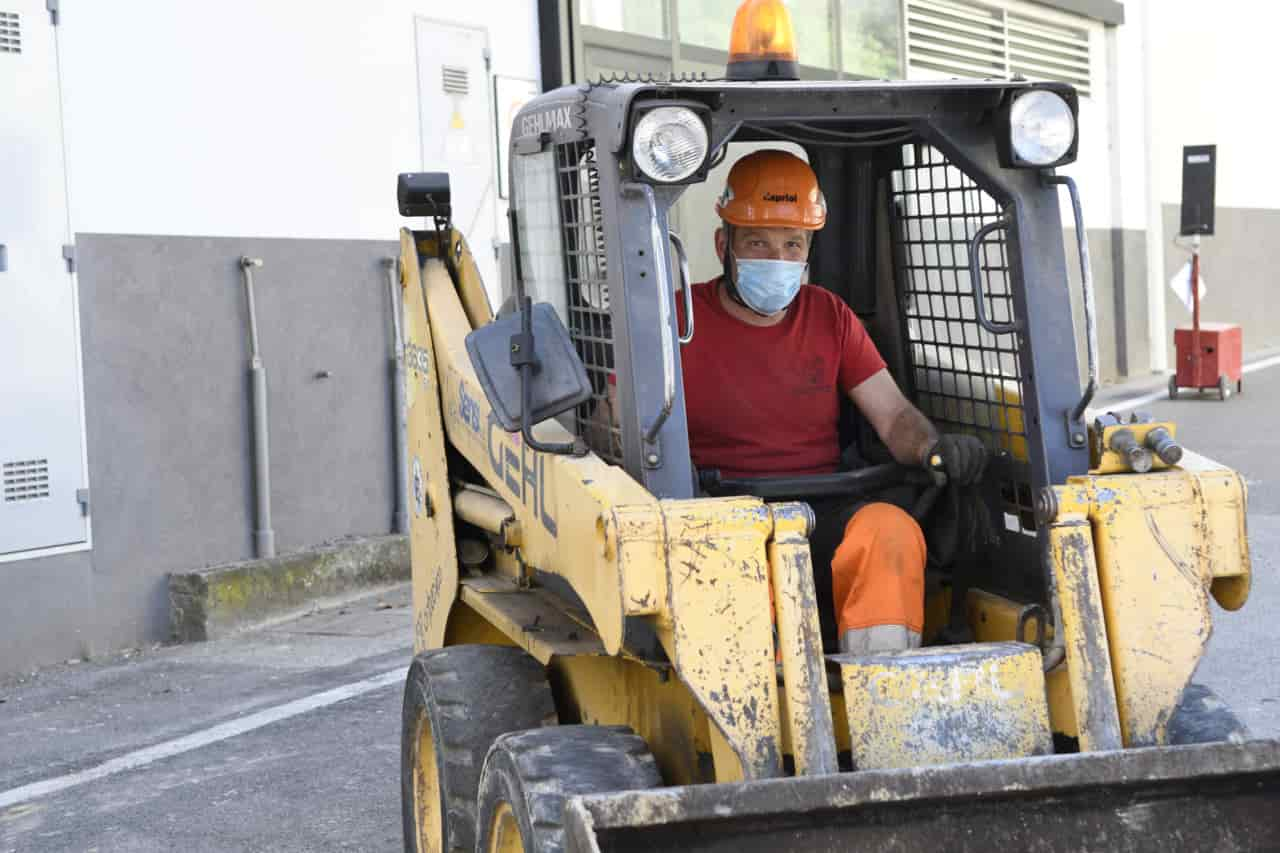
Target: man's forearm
911	436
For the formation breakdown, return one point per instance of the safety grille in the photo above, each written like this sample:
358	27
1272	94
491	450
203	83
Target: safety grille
10	33
587	301
965	378
455	80
25	480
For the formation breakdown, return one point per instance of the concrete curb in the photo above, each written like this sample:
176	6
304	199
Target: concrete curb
214	602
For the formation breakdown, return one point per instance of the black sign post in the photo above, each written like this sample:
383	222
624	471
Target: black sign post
1198	165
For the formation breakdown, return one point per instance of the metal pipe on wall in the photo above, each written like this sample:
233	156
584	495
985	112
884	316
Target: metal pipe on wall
264	538
399	406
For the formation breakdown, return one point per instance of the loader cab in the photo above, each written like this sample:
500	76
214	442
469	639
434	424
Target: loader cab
943	235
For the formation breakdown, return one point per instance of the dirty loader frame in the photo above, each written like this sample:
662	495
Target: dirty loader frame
649	604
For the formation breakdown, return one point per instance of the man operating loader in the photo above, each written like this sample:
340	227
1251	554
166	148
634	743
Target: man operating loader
764	377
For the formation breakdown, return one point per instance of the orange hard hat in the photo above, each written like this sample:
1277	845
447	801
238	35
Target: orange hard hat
772	189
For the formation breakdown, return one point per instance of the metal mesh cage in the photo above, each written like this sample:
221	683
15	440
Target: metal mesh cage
587	299
965	378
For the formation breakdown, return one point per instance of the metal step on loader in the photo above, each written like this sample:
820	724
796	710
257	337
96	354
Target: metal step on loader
617	652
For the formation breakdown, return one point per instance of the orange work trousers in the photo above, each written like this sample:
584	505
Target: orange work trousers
868	561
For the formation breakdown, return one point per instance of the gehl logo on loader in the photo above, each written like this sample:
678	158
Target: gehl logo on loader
547	121
525	473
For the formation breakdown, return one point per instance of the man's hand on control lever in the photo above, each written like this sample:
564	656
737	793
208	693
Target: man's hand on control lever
912	439
963	458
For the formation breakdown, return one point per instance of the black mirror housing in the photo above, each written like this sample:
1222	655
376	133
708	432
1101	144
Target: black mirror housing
423	194
558	383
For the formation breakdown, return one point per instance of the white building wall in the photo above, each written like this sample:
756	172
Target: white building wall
286	118
1206	89
1202	65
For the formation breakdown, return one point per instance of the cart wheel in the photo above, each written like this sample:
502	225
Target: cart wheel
1173	387
1240	385
1224	387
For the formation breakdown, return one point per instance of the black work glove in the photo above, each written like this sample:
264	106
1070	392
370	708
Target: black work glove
962	458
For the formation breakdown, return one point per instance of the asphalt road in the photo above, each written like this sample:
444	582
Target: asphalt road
314	771
323	779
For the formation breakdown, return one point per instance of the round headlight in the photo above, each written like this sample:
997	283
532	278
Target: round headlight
1041	127
669	143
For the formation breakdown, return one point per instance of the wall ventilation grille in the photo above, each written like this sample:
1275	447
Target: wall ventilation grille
969	39
10	33
455	80
25	479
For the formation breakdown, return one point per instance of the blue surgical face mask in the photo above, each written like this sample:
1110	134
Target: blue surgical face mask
768	286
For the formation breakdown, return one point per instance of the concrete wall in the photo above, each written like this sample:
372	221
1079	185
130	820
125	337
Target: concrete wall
1118	262
168	411
1195	62
194	134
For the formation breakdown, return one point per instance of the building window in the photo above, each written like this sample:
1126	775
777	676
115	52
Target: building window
961	38
870	38
627	16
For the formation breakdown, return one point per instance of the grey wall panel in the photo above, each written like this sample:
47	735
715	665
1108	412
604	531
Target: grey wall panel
46	611
1133	250
1239	265
1113	253
167	405
1100	257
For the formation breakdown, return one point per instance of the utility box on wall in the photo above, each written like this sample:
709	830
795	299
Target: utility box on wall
43	486
456	120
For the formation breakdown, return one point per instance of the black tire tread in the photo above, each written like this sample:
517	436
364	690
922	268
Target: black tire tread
472	694
548	766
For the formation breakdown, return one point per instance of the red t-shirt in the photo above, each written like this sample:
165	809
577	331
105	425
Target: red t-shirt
765	400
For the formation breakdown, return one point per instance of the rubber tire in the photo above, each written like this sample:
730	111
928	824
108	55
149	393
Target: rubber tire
536	772
1201	717
1224	388
469	695
1173	387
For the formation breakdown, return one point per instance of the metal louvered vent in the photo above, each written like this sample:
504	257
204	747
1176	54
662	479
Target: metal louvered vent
970	39
1046	51
10	33
25	479
455	80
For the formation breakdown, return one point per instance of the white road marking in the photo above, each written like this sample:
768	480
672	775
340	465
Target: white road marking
186	743
1133	402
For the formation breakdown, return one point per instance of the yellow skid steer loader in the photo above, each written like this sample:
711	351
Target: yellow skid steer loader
601	664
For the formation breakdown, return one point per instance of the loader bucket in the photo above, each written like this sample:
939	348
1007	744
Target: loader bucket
1207	797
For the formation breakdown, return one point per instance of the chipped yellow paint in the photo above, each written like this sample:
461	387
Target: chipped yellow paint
614	691
633	535
722	644
1163	541
432	548
531	618
945	704
559	500
466	275
994	619
1084	632
697	569
807	726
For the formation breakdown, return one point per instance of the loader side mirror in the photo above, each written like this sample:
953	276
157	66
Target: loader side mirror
424	194
558	381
